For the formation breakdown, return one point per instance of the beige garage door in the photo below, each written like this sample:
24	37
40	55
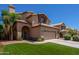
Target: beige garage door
49	35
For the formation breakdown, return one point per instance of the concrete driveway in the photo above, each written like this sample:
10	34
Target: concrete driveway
65	42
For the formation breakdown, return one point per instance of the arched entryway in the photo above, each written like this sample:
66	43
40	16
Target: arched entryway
25	33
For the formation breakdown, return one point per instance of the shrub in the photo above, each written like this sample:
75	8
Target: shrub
67	37
75	38
41	38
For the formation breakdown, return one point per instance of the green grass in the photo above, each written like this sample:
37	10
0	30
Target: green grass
39	49
1	48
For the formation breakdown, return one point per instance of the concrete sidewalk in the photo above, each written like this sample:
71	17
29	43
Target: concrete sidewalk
57	41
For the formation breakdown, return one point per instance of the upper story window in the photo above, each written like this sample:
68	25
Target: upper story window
42	20
63	27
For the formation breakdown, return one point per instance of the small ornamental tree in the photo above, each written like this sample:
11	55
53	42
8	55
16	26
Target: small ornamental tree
71	34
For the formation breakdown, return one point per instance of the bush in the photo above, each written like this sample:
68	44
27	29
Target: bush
75	38
67	37
41	38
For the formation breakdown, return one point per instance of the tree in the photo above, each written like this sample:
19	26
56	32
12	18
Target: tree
9	19
6	27
13	18
1	28
1	31
72	32
4	12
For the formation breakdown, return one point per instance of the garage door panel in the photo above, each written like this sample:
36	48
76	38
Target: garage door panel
49	35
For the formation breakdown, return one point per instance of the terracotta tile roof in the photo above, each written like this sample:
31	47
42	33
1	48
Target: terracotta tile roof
44	25
35	25
58	24
23	21
31	16
27	12
64	30
34	14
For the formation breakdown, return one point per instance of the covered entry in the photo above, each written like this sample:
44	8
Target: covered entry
25	33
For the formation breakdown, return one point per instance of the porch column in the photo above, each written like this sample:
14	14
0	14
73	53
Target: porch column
19	36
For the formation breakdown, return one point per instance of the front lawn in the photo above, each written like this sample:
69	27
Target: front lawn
1	48
39	49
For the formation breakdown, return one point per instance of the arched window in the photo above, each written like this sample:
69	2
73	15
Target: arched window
42	20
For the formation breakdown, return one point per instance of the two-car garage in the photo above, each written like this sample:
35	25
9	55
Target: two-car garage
49	33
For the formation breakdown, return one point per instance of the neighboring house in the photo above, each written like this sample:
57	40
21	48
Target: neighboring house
32	25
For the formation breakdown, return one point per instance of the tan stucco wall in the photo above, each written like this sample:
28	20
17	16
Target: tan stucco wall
21	25
35	32
26	14
33	20
47	22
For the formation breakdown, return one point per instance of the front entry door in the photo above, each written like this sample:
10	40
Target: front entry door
25	33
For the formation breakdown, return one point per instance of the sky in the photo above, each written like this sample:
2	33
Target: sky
67	13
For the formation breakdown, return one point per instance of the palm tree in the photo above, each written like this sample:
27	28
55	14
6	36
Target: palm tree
13	18
9	19
4	12
6	27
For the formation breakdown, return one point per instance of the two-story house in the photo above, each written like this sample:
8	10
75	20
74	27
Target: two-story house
32	25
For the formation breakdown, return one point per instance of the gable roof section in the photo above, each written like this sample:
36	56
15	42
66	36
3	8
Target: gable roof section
22	21
45	26
30	16
27	12
58	24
